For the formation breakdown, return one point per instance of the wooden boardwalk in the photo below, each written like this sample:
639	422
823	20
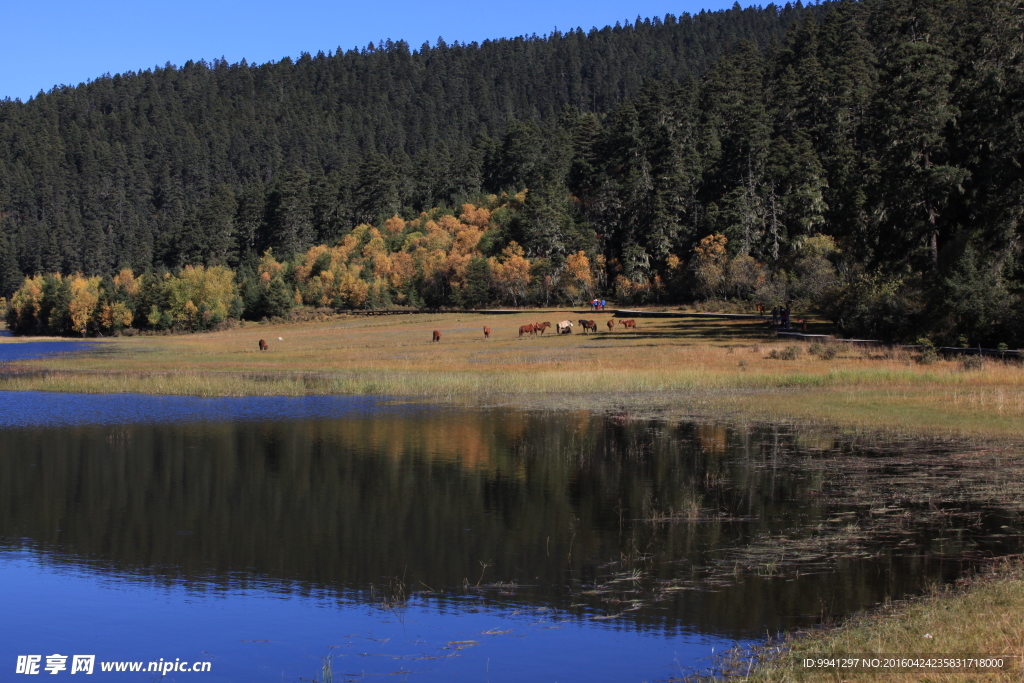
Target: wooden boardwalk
680	314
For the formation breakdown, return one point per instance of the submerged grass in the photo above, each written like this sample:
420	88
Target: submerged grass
688	365
880	496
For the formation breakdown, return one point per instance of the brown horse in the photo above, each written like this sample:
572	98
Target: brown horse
263	345
540	327
437	335
527	329
589	325
611	325
487	332
628	324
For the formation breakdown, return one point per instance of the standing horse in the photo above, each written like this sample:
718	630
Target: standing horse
589	325
437	335
487	332
263	345
526	329
628	324
611	325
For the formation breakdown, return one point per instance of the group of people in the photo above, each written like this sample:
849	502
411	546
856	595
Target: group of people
780	315
597	305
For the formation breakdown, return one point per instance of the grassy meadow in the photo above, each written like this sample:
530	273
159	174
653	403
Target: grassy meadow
979	616
668	366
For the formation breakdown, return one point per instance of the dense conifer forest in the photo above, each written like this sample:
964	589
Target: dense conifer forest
859	159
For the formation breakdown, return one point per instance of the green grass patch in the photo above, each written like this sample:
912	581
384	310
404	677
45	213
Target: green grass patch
979	616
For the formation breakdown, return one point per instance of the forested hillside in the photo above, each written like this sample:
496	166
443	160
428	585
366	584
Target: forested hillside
108	174
860	158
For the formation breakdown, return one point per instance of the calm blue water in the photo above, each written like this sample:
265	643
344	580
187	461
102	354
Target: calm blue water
431	544
119	538
273	632
37	349
30	408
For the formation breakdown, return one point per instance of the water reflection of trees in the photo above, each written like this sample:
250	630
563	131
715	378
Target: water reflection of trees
685	525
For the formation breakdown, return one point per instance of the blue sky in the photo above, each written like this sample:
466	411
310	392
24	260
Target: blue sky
50	42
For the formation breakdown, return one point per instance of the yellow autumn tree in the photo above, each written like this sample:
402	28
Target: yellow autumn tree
449	224
626	289
710	263
269	267
403	270
85	297
319	289
576	281
467	241
428	262
454	268
479	217
438	237
342	251
115	316
313	260
375	250
25	305
351	291
127	281
675	272
199	297
511	274
118	314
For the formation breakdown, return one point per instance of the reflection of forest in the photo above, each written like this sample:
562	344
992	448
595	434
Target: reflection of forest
558	503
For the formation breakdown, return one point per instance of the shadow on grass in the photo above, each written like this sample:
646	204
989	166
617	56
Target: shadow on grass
695	330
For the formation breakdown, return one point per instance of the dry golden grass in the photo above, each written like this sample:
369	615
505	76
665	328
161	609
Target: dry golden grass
667	365
981	617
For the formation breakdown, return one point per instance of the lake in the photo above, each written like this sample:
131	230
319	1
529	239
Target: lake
268	536
27	350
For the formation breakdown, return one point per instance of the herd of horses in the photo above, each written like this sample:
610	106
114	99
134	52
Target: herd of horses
564	327
533	329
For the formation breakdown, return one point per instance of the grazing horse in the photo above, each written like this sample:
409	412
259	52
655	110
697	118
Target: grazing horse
263	345
540	327
589	325
527	329
437	335
487	332
628	324
611	325
564	327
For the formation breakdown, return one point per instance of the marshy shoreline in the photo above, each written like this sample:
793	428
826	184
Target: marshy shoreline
974	622
667	370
